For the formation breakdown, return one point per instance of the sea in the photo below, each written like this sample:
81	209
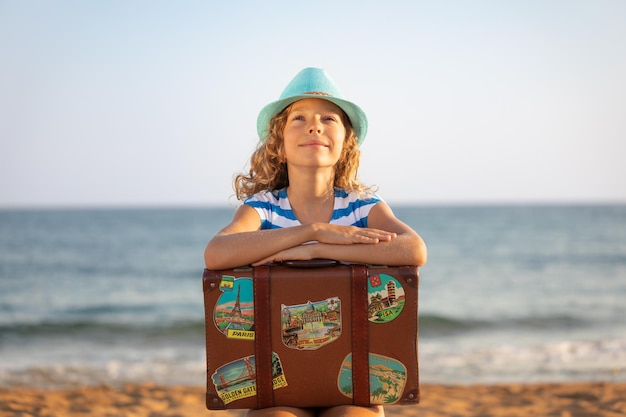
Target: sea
519	293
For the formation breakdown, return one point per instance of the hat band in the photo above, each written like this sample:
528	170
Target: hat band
318	93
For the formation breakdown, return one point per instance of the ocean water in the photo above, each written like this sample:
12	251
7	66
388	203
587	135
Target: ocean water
510	293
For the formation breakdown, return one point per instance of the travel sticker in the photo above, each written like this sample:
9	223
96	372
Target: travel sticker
236	380
234	309
387	378
312	325
386	298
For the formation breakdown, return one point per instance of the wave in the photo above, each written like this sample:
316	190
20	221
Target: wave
112	372
93	329
441	325
171	362
94	322
568	359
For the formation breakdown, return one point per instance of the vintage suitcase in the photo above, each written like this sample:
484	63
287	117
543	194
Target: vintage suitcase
311	336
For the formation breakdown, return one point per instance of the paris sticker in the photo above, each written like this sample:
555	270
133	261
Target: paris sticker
236	380
312	325
387	378
234	309
386	298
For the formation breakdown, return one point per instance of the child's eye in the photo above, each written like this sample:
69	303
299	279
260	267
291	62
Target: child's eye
298	117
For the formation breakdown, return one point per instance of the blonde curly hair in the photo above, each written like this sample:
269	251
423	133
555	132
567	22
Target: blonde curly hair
268	168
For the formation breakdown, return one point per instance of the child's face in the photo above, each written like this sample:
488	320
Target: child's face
314	133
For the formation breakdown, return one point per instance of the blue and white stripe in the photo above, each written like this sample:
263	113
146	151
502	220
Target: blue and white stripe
275	211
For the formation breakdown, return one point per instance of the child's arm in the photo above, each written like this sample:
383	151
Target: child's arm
407	248
242	243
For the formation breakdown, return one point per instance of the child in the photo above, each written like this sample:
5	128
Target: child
302	198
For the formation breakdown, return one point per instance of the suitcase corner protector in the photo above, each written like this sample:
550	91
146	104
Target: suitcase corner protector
214	402
411	397
210	280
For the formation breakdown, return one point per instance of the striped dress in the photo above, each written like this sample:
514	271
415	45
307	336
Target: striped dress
275	211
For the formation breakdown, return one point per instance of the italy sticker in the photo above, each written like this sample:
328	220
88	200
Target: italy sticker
236	380
312	325
234	310
386	298
387	378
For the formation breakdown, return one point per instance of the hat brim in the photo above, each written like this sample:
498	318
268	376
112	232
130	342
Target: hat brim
355	114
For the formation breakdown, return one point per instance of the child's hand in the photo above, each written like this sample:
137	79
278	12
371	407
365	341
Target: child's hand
347	235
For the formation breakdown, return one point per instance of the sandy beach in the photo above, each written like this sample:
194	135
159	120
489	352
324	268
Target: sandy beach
145	400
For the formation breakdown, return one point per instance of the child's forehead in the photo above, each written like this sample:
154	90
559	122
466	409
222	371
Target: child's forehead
314	104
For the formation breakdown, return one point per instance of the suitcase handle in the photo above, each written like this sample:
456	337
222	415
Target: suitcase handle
311	263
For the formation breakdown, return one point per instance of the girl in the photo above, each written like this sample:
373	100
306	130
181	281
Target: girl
302	199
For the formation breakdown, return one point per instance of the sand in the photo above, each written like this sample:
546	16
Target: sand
144	400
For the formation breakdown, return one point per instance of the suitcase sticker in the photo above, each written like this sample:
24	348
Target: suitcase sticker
387	378
312	325
386	298
234	310
236	380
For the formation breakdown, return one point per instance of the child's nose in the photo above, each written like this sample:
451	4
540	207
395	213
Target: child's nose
316	127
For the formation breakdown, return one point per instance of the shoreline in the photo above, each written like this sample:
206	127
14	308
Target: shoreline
568	399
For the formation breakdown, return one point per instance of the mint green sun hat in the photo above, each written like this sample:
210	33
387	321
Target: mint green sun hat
312	83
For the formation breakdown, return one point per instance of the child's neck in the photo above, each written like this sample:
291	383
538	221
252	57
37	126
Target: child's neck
311	201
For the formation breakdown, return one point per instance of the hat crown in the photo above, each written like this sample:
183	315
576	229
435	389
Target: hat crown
314	81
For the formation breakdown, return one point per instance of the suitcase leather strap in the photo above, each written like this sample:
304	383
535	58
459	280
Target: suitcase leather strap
360	337
262	338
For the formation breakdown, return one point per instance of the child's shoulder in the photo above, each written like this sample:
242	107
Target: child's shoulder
267	196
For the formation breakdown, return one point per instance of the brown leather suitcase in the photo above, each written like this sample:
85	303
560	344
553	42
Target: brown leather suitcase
313	336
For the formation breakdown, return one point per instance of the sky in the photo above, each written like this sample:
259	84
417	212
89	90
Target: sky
154	103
